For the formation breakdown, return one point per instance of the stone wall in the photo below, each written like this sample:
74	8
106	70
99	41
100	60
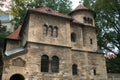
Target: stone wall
36	24
30	62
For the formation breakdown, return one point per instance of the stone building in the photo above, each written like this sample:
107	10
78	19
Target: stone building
53	46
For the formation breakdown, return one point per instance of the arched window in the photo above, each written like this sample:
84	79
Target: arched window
50	31
55	64
55	31
94	71
44	63
91	21
85	20
91	41
88	20
74	69
73	37
45	29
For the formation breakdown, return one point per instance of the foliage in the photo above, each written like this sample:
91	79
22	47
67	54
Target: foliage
113	65
108	29
19	7
3	34
107	23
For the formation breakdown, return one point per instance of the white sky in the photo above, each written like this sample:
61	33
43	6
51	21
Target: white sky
75	3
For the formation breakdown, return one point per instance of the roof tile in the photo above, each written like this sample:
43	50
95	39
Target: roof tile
15	34
51	12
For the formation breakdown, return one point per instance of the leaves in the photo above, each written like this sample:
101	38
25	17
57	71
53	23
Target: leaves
107	23
108	29
19	8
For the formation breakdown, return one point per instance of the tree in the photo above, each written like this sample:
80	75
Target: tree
113	65
3	34
108	29
19	7
107	23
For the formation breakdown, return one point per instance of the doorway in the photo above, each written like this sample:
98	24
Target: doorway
17	77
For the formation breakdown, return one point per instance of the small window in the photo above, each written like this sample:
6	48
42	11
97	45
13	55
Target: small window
74	69
85	20
50	31
44	63
91	41
91	21
55	31
94	71
73	37
45	29
55	64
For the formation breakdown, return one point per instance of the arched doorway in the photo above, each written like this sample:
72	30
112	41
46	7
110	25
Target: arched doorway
17	77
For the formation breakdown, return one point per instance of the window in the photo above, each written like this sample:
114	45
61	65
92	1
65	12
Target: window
55	64
91	41
45	29
73	37
74	69
44	63
91	21
87	20
55	31
94	71
50	30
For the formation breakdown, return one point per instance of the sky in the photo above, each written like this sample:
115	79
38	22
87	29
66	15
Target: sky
75	3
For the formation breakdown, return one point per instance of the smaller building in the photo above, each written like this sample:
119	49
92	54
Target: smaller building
5	20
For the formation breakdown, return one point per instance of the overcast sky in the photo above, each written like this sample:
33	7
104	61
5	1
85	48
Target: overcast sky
75	3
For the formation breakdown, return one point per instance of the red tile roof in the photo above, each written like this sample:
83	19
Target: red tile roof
15	34
47	10
82	7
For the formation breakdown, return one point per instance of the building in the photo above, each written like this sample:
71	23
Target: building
5	20
53	46
5	17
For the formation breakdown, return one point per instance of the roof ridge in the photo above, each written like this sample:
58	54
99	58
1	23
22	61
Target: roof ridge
15	34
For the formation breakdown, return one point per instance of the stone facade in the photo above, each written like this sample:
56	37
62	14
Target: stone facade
67	39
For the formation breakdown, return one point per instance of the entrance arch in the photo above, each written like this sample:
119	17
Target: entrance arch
17	77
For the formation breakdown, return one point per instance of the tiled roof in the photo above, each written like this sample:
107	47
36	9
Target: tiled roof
15	34
47	10
80	7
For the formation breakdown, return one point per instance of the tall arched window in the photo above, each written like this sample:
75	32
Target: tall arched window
44	63
94	71
85	20
55	31
45	29
73	37
74	69
91	21
50	30
55	64
91	41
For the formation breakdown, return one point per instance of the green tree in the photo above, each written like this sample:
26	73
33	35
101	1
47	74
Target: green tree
3	34
113	65
19	7
108	28
107	23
